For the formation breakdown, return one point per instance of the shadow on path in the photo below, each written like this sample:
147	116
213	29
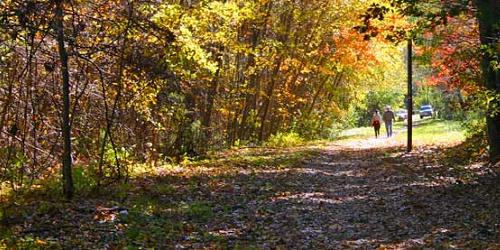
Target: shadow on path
347	197
343	197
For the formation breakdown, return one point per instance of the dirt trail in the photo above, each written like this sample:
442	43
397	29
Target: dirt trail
368	194
364	194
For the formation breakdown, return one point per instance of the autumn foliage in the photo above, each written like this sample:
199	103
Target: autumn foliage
452	51
156	81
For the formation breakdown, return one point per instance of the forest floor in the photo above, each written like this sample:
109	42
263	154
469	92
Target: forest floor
357	192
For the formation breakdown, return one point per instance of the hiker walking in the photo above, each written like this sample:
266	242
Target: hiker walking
376	121
388	118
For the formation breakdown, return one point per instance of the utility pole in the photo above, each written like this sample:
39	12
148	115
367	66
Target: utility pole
409	100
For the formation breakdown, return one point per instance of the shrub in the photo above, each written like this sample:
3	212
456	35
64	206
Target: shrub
83	179
289	139
13	170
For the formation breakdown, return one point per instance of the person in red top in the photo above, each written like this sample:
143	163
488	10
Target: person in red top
376	120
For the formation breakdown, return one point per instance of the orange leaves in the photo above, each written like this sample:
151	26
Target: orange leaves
454	54
352	50
326	71
290	63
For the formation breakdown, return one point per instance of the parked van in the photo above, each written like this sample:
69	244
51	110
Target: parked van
426	110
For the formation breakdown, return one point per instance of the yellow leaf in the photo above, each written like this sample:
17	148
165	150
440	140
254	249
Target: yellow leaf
326	71
40	242
305	70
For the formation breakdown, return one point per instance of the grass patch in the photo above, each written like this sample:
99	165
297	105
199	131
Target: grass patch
261	157
198	211
425	132
163	189
434	131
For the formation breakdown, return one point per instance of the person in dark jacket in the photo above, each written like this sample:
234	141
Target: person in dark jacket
388	118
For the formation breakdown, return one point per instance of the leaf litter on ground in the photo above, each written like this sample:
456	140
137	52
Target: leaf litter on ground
363	193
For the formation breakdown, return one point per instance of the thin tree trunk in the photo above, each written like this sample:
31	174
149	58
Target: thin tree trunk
108	132
315	97
269	95
251	98
5	108
66	126
212	93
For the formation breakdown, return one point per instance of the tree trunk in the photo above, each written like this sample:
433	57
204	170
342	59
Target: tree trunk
66	126
212	94
489	16
254	86
269	96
